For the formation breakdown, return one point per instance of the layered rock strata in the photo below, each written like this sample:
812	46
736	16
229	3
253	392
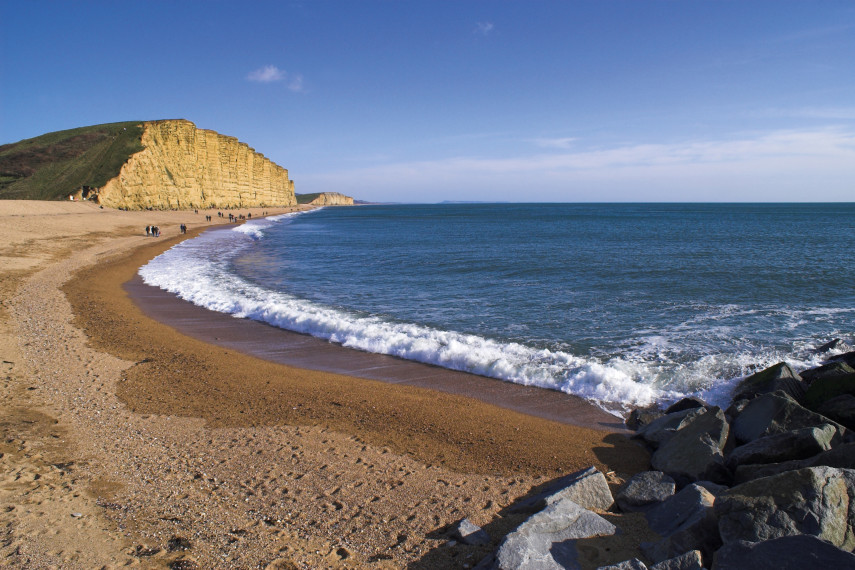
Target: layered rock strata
332	199
183	167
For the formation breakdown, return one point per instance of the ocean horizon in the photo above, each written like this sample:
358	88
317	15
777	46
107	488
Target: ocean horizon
624	304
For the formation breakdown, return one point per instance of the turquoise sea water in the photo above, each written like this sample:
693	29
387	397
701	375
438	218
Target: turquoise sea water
624	304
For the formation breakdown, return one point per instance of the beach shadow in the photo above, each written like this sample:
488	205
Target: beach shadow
454	554
625	456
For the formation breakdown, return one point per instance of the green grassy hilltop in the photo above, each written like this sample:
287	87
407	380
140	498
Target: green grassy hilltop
53	165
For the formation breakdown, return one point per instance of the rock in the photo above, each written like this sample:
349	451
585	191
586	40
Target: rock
798	444
688	403
835	344
177	543
688	561
771	414
840	409
781	376
638	418
663	429
686	522
547	540
846	357
694	453
587	488
184	564
181	166
468	533
842	456
714	488
819	501
633	564
799	551
645	490
735	409
832	369
828	387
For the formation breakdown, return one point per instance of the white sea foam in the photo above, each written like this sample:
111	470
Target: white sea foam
198	270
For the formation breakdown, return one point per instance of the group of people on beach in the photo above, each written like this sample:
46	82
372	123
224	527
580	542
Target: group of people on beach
233	218
154	231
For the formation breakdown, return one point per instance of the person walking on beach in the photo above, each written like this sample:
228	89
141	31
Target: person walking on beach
148	230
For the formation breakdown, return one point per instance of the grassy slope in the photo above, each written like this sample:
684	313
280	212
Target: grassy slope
306	198
52	166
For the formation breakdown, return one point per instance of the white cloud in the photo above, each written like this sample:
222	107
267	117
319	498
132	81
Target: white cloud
805	165
483	28
295	83
561	143
266	74
272	74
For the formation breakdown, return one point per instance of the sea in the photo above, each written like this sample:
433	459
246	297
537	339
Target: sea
625	305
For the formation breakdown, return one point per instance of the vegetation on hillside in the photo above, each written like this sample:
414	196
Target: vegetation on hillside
306	198
54	165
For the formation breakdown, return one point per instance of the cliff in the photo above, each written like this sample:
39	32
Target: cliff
325	199
143	165
184	167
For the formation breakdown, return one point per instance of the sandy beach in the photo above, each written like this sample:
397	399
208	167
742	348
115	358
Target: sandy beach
131	442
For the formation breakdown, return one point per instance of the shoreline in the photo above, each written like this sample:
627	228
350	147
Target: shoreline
255	338
151	436
237	381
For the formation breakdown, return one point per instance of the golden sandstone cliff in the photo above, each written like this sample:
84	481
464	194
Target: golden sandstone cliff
184	167
332	199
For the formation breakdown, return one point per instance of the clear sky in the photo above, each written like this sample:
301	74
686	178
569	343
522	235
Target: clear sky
431	100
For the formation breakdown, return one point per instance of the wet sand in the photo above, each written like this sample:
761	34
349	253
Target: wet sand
129	442
303	351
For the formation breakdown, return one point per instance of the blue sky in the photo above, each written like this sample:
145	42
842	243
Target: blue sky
423	101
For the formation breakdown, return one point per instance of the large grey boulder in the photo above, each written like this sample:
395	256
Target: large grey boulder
547	540
695	452
587	488
842	456
840	409
828	387
819	501
772	414
834	344
798	444
781	376
662	429
846	357
826	370
686	522
640	417
687	403
644	490
799	552
688	561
